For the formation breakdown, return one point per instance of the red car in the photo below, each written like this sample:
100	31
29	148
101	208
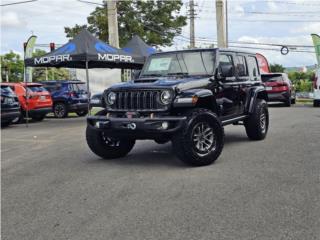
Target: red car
279	88
38	102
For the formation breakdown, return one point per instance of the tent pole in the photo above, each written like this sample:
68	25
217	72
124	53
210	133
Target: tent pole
27	96
88	88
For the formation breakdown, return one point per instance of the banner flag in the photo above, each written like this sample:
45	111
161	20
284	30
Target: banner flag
316	43
28	54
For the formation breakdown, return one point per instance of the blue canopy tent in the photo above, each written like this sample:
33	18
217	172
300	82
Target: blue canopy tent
138	47
86	51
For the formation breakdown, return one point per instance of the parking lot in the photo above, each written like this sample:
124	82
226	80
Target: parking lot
54	187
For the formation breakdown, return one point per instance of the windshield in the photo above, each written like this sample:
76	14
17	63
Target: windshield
271	78
181	63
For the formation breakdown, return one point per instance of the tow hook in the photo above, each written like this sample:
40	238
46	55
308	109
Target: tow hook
132	126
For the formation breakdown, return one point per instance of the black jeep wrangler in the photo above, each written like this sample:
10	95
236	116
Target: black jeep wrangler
186	97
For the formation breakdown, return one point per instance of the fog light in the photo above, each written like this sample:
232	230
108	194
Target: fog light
165	125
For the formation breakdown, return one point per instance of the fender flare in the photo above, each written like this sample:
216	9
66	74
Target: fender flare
254	94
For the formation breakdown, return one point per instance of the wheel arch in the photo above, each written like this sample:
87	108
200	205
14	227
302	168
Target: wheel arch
256	93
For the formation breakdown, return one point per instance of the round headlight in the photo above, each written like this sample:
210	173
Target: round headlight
165	97
111	98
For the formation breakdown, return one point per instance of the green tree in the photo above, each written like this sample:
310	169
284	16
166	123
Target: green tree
156	22
12	67
276	68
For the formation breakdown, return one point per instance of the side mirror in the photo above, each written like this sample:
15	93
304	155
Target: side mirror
136	74
226	70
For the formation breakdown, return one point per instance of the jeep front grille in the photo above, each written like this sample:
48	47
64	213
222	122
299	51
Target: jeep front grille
146	100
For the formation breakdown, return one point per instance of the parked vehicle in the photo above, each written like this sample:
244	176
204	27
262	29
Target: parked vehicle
279	88
316	89
97	100
68	96
38	101
10	107
184	96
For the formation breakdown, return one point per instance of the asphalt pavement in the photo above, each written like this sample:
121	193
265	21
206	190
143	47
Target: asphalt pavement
54	187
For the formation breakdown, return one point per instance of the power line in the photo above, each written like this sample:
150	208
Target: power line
14	3
94	3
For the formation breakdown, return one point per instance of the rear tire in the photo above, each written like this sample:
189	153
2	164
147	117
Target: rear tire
257	123
5	124
201	142
82	113
18	120
293	101
288	102
316	103
60	110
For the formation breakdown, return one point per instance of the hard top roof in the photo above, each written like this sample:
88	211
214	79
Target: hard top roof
206	49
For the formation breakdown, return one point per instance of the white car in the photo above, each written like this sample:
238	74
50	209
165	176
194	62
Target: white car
316	90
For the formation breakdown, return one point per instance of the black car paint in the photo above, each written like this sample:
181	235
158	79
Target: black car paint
231	98
9	109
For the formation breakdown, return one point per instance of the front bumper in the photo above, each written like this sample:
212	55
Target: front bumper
137	128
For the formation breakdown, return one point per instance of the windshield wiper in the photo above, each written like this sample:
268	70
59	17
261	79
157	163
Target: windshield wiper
151	75
178	74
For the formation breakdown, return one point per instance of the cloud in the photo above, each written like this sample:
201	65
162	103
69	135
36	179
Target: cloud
308	28
11	20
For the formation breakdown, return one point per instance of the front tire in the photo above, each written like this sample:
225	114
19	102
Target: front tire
60	110
202	140
106	147
258	122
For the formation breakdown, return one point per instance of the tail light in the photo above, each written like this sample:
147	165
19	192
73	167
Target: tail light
71	94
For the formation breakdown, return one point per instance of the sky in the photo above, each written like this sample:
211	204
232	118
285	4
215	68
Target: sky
257	21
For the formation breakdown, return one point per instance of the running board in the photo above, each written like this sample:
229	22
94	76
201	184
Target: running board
233	120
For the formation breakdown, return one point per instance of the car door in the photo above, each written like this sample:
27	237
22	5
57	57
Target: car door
243	78
227	97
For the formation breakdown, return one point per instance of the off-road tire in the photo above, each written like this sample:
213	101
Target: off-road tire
82	113
60	110
185	146
254	126
97	143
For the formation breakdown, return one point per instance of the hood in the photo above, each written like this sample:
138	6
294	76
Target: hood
156	83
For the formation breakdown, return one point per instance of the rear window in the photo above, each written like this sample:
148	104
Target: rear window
271	78
77	87
36	89
6	89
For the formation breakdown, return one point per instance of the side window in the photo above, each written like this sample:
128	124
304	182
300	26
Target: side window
253	67
225	59
242	66
226	66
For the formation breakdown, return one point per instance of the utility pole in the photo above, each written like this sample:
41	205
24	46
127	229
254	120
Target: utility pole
221	24
192	17
113	23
